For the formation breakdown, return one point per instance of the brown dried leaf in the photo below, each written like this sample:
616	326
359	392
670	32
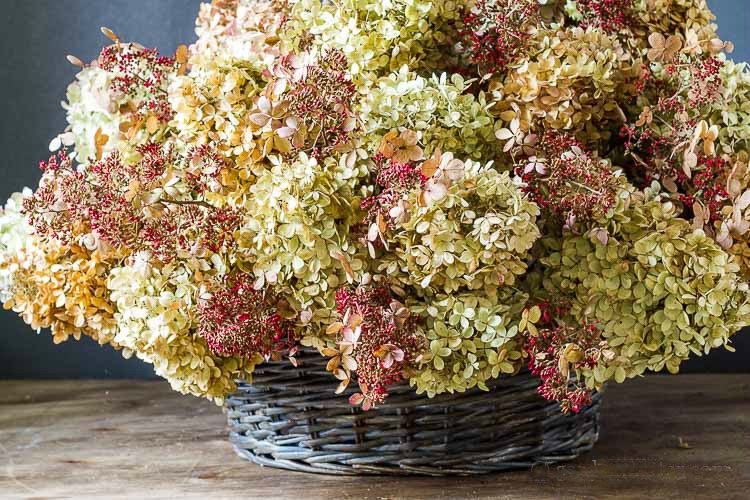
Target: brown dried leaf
181	54
100	140
430	166
110	34
152	124
75	61
334	328
333	363
342	386
338	255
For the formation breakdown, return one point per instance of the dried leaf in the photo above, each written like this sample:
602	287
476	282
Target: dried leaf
334	328
338	255
75	61
333	363
152	124
181	54
342	386
100	140
110	34
430	166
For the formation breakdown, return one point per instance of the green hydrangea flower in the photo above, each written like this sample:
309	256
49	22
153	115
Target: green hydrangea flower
473	337
295	232
476	237
658	289
438	108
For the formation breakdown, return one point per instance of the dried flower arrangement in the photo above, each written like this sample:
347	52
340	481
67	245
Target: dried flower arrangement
437	193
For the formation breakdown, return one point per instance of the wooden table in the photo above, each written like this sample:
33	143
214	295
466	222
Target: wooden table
663	437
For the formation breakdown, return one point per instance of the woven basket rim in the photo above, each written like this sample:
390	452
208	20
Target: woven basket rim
289	417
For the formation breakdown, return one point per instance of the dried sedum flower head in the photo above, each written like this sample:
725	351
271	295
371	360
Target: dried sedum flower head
238	320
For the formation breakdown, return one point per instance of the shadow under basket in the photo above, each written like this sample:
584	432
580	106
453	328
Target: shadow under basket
290	418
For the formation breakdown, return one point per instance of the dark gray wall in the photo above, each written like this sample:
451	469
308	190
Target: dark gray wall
35	36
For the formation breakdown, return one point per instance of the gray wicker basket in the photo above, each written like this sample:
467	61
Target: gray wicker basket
290	418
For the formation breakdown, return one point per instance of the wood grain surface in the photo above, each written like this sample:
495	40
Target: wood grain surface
663	437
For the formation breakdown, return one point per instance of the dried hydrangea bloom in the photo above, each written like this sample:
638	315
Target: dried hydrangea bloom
157	320
567	182
213	104
440	109
63	289
239	29
295	233
673	16
444	246
658	289
570	80
496	32
92	108
378	37
473	337
557	353
16	235
158	203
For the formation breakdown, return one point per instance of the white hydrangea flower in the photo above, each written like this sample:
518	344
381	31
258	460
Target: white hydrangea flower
90	106
15	235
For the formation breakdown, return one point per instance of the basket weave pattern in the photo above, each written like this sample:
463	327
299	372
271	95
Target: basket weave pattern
290	418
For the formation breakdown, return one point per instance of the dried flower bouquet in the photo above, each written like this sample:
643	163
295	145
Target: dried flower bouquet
436	192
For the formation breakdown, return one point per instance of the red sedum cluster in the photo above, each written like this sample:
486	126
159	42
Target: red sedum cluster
566	180
141	74
609	15
394	179
557	352
238	320
496	32
136	206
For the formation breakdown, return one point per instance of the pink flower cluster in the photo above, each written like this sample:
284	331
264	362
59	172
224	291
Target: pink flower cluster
394	180
318	102
608	15
670	155
564	178
555	353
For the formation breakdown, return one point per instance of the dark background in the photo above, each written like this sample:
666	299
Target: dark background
35	37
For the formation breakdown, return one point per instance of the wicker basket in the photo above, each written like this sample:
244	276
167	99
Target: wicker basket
290	418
